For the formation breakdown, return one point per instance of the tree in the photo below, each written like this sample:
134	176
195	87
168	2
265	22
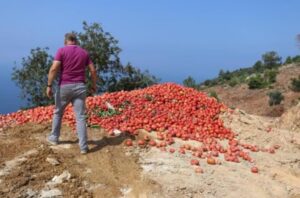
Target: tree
133	78
32	77
275	98
104	51
190	82
271	60
258	66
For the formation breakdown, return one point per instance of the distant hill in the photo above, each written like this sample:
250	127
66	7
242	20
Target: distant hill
255	101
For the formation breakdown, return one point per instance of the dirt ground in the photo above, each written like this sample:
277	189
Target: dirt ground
29	167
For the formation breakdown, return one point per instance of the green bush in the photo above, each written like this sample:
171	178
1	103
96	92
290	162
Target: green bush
295	84
256	82
233	82
214	94
275	98
270	75
296	59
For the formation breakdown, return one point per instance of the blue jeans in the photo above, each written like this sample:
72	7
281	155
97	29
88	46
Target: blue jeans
76	94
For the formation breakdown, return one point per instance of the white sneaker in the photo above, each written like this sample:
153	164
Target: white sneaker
83	152
52	142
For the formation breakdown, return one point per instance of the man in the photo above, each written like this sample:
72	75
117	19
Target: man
71	60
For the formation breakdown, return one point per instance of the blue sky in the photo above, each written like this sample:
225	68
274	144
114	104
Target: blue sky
172	39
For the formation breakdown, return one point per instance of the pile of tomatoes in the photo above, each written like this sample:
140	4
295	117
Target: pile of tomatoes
173	111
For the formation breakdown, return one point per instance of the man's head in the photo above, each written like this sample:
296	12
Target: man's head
70	39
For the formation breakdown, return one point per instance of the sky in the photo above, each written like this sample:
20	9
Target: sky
171	38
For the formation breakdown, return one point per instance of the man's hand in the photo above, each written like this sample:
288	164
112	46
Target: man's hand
49	92
51	75
93	89
94	78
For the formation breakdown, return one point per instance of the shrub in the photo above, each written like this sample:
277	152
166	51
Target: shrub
296	59
295	84
233	82
256	82
214	94
275	97
270	75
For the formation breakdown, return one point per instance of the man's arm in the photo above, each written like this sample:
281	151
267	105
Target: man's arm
51	76
93	76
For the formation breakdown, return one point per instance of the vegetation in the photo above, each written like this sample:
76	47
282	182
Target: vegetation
261	74
295	84
214	94
32	77
190	82
103	48
257	82
275	98
271	60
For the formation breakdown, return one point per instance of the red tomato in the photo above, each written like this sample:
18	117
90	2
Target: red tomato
254	169
128	142
195	162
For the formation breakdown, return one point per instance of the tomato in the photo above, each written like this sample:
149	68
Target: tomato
171	150
141	143
198	170
211	161
195	162
254	169
128	142
152	143
146	138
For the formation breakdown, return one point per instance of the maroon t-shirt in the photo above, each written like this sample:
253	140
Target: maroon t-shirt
74	61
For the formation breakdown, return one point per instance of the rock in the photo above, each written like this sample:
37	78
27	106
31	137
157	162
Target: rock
88	171
65	176
61	146
117	132
52	161
30	193
51	193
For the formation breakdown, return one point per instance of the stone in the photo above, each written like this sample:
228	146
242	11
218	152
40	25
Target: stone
30	193
65	176
51	193
52	161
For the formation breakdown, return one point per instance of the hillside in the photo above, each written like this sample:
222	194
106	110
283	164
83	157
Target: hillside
202	149
255	101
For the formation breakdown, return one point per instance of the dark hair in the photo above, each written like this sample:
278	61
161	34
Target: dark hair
71	37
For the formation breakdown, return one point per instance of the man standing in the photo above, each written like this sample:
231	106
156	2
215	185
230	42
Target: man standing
71	60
